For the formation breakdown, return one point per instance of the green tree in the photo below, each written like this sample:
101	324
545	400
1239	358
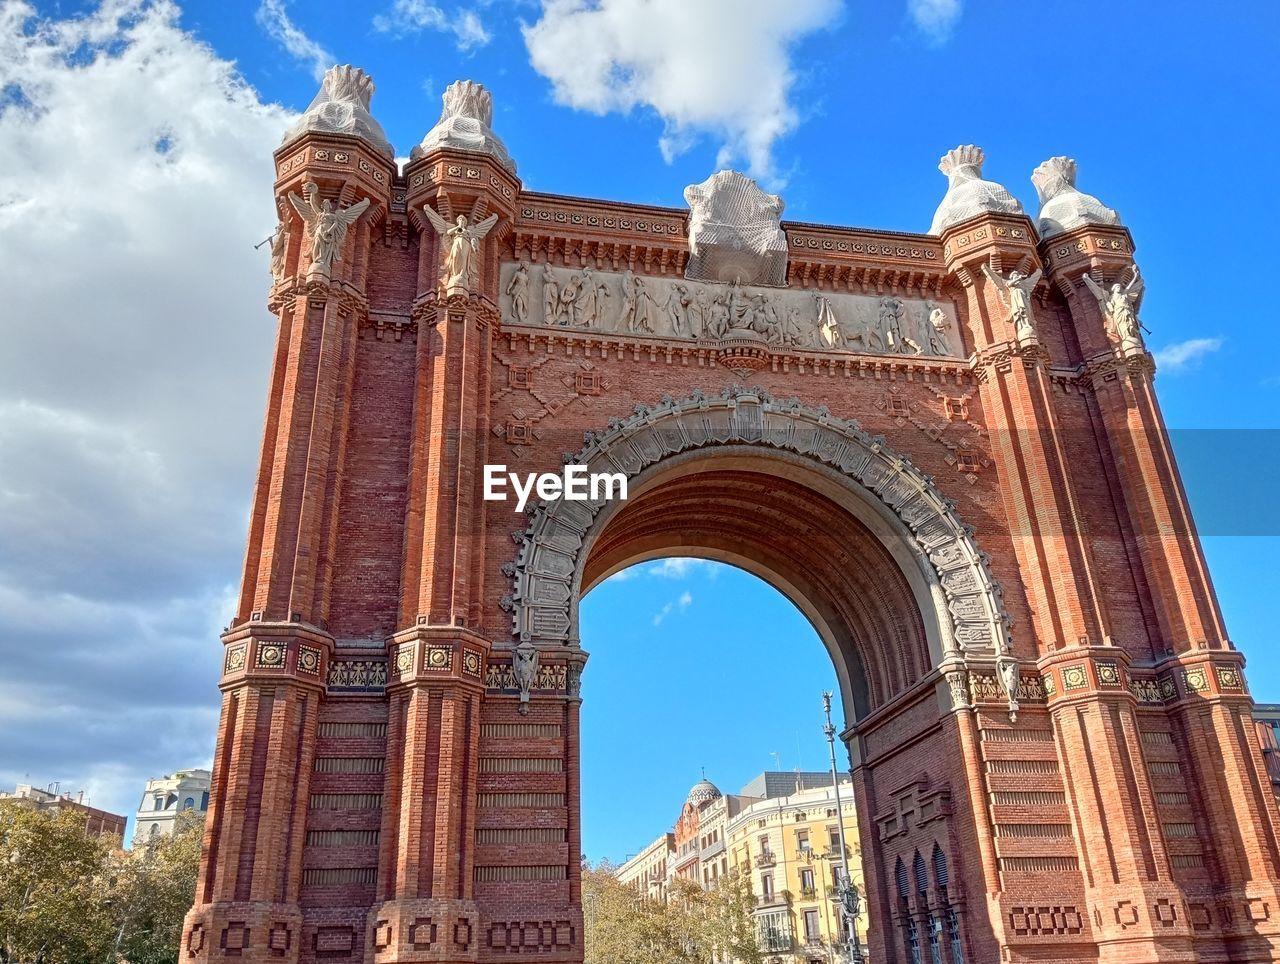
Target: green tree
151	889
52	888
691	926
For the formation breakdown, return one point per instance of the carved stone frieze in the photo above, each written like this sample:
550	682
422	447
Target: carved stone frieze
587	300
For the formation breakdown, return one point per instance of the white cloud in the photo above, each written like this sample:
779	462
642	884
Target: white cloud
934	18
678	567
715	67
1184	354
679	605
135	177
413	16
275	20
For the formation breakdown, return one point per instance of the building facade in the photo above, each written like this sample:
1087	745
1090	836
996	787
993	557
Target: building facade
96	822
165	798
782	834
1266	716
943	445
789	847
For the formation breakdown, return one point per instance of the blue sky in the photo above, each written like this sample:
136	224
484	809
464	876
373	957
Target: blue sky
110	518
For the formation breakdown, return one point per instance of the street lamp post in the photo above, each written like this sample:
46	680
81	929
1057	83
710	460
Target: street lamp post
850	901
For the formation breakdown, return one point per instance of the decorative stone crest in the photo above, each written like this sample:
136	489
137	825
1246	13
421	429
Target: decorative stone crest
342	107
734	232
968	195
464	125
1062	207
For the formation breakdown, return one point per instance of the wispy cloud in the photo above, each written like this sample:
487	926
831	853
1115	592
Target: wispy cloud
414	16
274	19
678	567
935	18
678	605
608	56
1185	354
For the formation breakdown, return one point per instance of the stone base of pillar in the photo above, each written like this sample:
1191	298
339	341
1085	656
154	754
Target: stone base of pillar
424	929
250	932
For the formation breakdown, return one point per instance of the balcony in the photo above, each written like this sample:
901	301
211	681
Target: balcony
766	859
808	893
776	899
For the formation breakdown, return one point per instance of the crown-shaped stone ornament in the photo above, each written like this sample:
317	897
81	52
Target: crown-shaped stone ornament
968	195
1062	207
342	107
465	125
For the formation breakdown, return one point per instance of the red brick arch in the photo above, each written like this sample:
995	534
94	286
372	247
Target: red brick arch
919	562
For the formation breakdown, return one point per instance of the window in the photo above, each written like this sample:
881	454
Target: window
155	830
159	802
806	882
766	885
935	939
802	840
953	934
833	835
812	929
775	932
189	803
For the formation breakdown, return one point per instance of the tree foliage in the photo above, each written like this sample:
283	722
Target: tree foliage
66	897
692	926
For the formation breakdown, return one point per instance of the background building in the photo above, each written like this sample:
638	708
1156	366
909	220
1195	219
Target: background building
1267	718
96	821
782	833
166	797
789	846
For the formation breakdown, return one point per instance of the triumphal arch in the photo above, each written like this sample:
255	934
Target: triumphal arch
943	447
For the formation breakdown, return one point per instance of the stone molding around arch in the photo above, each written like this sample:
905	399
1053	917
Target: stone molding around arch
548	566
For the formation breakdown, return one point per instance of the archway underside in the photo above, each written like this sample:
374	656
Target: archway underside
825	560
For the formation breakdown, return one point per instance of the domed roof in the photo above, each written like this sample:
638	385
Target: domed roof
703	792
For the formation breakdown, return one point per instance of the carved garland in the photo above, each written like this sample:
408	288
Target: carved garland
548	563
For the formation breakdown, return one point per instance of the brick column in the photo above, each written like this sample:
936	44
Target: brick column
1196	672
1112	808
278	649
425	880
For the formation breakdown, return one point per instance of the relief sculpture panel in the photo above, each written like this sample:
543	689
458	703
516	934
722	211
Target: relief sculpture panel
542	295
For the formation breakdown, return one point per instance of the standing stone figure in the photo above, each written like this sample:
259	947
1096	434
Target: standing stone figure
550	296
518	290
677	301
584	306
644	309
891	313
937	324
279	251
569	300
326	225
1120	309
1015	292
627	317
827	333
460	268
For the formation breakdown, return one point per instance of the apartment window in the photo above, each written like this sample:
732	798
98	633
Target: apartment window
802	840
806	881
760	824
764	843
159	803
812	929
766	885
189	803
833	834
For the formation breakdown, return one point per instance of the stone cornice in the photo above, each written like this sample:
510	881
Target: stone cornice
657	349
319	290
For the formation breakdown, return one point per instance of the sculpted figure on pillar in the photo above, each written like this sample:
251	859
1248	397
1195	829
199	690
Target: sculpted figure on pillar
550	296
460	267
279	251
1015	292
327	226
1119	306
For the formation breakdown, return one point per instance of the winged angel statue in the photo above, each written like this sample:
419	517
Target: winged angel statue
1120	308
326	225
1015	292
460	270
